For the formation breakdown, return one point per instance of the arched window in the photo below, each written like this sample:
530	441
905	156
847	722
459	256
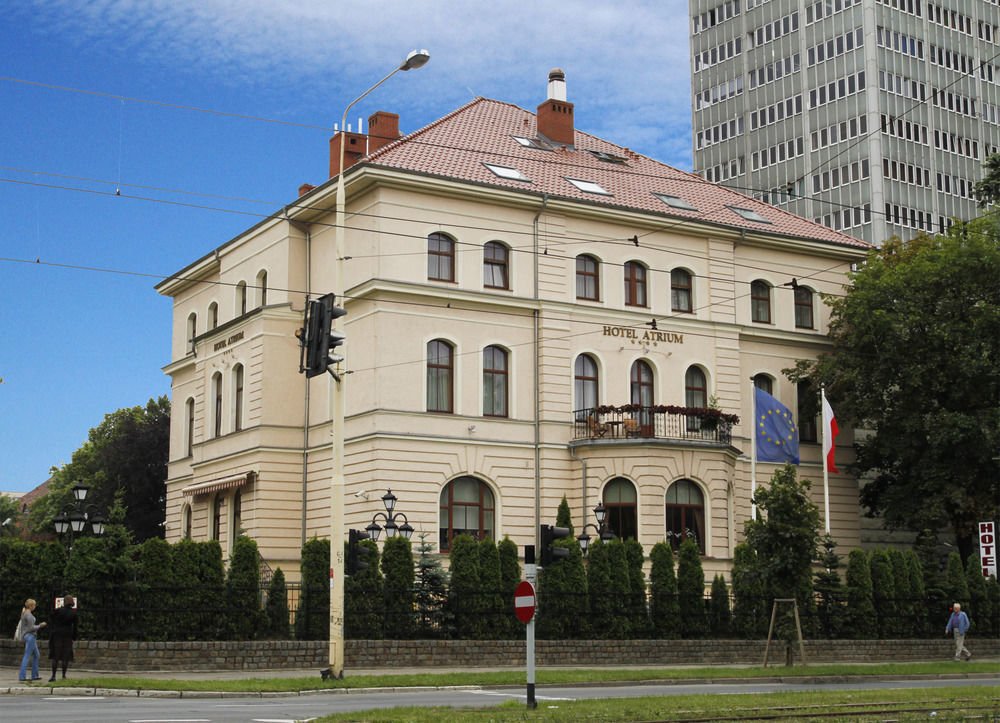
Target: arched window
217	396
213	315
495	266
241	298
680	291
189	427
695	394
440	377
467	506
803	308
585	392
760	302
440	258
685	514
641	385
588	283
620	502
494	382
262	288
635	284
238	398
192	331
216	517
764	382
186	520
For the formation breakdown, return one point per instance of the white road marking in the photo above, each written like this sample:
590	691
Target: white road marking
516	695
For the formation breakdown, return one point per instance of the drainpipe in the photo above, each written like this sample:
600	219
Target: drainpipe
538	403
305	229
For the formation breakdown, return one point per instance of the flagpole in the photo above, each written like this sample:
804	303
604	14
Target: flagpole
826	472
753	450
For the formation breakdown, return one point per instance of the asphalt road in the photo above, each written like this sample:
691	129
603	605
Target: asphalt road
286	709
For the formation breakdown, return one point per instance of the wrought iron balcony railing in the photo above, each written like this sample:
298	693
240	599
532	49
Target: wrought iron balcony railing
636	422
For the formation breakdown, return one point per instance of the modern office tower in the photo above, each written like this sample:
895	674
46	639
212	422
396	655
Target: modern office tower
873	118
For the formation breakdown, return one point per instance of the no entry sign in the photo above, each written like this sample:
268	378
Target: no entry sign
524	601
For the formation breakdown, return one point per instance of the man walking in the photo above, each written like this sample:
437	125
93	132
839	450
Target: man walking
959	623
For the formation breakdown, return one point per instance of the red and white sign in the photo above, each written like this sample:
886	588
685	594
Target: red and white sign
524	601
987	548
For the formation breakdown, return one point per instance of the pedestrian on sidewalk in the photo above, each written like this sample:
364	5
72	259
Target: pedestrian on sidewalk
958	625
63	633
29	633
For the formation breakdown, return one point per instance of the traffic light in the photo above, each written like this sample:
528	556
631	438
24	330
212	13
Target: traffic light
357	554
320	337
549	535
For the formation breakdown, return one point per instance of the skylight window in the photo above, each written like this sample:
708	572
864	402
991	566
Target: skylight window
587	186
511	174
608	157
532	143
675	201
749	215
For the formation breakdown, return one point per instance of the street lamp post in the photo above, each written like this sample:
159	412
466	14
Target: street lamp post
601	528
415	59
391	528
74	517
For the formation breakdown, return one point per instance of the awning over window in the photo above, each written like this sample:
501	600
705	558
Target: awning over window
222	483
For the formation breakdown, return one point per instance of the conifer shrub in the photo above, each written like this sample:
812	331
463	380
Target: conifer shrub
751	611
691	591
398	575
490	597
431	593
620	627
978	607
464	597
883	592
664	610
312	616
243	610
563	516
831	598
915	584
956	584
510	577
276	609
992	612
861	620
639	623
363	597
562	609
156	588
719	613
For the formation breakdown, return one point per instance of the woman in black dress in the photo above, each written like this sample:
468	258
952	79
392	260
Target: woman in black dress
62	630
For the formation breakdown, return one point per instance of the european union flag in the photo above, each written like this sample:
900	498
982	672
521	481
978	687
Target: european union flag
777	435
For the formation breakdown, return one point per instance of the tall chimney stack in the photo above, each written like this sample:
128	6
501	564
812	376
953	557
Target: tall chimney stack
555	115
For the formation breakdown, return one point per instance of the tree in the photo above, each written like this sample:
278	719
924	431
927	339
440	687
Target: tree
978	603
987	190
751	611
956	584
720	617
431	592
363	596
883	592
914	361
830	590
563	516
916	586
490	589
312	619
128	451
276	609
785	538
691	591
464	597
664	612
638	613
510	576
562	597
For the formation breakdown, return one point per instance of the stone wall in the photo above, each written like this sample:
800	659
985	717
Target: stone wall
287	654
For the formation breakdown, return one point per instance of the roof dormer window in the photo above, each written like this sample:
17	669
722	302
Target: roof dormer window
536	143
748	214
587	186
675	202
511	174
608	157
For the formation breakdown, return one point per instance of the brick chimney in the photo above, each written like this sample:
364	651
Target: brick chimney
353	151
305	188
382	128
555	115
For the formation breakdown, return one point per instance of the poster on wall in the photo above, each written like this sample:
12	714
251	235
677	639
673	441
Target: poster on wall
988	548
60	601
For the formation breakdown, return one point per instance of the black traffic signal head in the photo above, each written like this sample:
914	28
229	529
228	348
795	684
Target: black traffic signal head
319	335
550	534
357	554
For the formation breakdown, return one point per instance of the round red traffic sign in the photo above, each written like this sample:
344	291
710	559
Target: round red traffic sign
524	601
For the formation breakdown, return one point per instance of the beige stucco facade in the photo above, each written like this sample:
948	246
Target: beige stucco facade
265	467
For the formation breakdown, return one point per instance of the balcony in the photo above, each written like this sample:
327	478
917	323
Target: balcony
635	422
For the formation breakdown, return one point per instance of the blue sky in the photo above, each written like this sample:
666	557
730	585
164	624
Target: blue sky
82	332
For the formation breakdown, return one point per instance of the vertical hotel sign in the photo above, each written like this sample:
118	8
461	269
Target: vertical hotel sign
988	548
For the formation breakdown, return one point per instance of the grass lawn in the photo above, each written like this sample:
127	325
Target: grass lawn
518	677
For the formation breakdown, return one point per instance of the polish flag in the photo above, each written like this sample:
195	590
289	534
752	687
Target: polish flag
830	432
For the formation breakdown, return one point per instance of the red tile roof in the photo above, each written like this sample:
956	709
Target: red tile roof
457	145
